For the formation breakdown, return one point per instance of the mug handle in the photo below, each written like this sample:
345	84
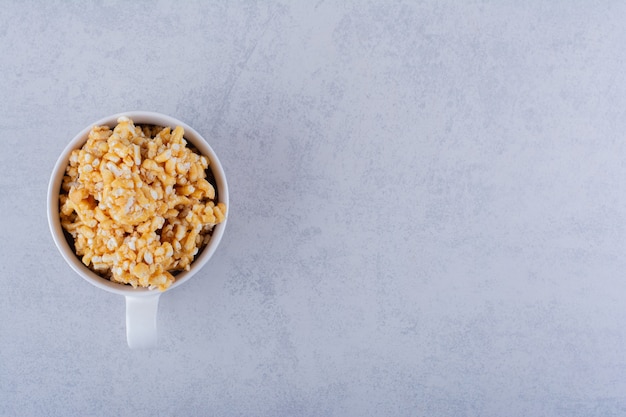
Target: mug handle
141	321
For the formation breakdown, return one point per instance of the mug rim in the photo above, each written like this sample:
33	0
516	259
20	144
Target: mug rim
56	179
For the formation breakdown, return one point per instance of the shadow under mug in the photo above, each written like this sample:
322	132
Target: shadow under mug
141	303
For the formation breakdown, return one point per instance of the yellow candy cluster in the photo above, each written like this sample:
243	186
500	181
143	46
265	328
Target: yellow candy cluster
138	204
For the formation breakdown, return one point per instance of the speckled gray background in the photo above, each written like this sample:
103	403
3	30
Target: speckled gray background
428	208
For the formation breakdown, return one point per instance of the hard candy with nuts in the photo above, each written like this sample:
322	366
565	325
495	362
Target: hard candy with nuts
138	204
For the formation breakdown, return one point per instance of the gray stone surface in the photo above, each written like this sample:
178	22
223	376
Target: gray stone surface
427	216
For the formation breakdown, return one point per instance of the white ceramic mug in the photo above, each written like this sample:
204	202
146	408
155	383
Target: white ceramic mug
141	303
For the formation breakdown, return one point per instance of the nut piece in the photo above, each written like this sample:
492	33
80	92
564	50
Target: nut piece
137	203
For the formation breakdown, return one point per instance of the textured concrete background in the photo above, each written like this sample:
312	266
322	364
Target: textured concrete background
428	208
